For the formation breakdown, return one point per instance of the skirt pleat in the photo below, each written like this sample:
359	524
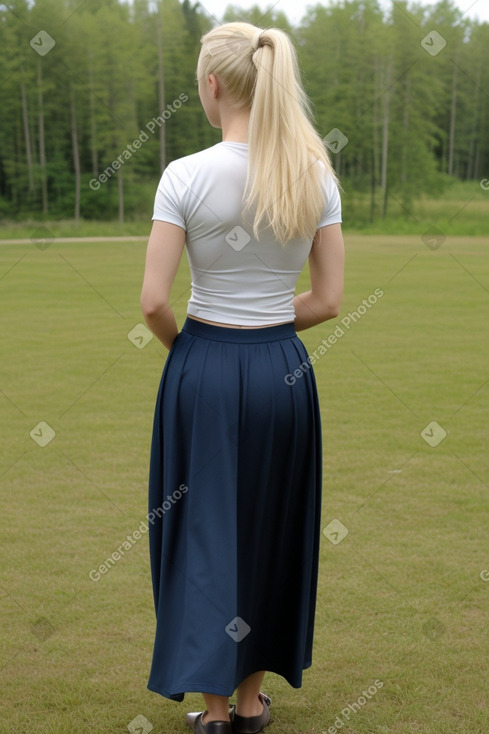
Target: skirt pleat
234	509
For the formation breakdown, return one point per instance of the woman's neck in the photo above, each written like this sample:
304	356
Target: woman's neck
235	124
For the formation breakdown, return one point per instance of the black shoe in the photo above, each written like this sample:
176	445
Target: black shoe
213	727
252	724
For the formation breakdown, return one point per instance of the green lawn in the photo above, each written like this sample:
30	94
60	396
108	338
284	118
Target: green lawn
401	597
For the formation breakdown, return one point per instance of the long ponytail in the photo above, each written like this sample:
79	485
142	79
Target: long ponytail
260	71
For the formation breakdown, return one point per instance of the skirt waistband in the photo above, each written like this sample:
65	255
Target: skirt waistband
240	336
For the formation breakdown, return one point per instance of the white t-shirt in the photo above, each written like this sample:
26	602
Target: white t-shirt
235	278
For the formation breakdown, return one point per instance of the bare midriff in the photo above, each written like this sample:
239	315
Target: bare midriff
237	326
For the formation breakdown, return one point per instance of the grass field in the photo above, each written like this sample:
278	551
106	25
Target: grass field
403	598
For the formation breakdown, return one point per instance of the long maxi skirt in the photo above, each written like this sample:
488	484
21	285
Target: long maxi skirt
234	509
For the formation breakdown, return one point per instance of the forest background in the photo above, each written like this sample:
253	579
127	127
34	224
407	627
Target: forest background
98	97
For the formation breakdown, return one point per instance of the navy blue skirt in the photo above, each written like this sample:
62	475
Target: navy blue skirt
234	509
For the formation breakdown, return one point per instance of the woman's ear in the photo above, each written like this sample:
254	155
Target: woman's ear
213	83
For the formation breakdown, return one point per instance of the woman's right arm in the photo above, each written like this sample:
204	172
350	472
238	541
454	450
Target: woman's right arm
326	267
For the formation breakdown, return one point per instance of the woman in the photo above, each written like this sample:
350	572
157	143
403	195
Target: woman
235	468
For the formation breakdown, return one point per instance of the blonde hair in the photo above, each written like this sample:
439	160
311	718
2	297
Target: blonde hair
259	70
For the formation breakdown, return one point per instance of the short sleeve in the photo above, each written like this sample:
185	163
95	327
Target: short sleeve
332	206
168	204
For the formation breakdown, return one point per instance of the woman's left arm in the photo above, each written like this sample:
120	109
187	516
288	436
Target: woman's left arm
163	255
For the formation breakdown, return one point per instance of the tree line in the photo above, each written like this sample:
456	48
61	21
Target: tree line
97	97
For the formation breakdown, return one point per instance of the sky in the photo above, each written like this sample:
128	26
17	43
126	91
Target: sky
294	9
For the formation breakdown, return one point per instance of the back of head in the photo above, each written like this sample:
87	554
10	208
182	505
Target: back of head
259	69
